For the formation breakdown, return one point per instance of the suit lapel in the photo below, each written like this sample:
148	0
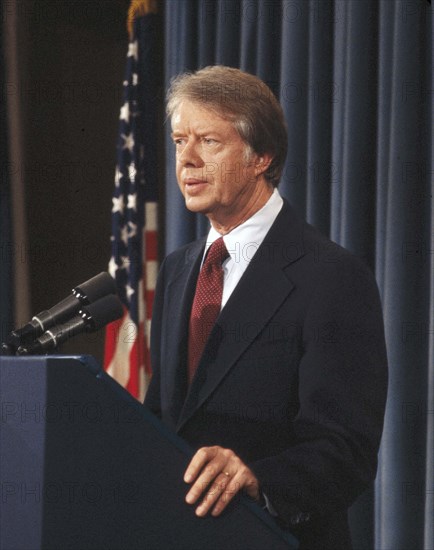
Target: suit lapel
180	292
260	292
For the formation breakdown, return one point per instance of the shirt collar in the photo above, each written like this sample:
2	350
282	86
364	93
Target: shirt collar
243	241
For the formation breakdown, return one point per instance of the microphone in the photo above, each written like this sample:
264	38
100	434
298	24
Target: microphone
90	318
84	294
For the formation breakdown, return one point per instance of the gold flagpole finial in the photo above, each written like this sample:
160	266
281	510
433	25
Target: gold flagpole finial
137	9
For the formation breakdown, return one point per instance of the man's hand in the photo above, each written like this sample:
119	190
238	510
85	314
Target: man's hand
218	474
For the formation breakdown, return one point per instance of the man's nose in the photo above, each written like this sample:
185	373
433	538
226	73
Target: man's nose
190	155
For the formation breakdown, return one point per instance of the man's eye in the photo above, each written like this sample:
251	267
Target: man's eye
178	141
209	141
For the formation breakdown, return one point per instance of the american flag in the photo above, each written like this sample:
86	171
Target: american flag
133	262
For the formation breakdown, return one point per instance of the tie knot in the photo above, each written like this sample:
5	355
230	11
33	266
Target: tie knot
217	253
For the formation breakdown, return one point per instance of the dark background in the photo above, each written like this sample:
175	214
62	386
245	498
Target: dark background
71	88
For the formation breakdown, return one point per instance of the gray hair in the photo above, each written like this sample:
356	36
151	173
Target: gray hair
243	99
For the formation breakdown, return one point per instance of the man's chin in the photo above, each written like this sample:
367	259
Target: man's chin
196	205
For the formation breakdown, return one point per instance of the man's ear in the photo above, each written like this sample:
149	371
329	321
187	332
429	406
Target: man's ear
262	163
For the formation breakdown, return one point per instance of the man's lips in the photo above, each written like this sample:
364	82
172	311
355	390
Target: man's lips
194	184
192	181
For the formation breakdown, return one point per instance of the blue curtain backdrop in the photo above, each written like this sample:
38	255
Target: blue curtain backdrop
354	79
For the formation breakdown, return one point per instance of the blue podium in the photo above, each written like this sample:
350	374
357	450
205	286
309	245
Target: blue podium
83	465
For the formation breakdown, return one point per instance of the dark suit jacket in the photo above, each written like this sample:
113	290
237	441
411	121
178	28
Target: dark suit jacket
293	377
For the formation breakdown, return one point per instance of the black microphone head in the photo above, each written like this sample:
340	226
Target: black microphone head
103	311
88	292
97	287
26	333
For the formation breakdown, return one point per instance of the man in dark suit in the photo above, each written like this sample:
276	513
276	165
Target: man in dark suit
271	362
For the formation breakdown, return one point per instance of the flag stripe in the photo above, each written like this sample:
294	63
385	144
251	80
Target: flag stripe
125	337
151	245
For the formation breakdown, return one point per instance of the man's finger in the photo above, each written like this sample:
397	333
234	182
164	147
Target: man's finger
231	489
203	455
209	473
215	492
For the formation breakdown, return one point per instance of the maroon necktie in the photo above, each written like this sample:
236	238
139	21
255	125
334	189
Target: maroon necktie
206	304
